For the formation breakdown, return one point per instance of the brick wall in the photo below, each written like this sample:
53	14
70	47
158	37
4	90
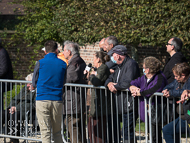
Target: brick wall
87	52
21	57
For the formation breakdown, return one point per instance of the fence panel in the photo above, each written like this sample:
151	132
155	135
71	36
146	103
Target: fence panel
90	114
167	112
17	110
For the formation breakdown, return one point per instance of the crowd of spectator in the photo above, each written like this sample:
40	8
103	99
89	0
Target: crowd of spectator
117	71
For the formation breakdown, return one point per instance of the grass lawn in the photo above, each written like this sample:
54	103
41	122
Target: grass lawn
7	96
142	126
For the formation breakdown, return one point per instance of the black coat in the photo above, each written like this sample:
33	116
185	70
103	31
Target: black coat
128	71
6	71
175	59
75	75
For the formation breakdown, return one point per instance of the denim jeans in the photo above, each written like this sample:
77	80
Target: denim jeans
168	131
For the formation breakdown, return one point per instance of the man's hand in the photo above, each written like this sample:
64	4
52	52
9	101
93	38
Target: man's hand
30	87
12	110
112	87
184	96
166	93
111	71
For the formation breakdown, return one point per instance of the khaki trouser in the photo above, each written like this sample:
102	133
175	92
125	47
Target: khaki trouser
49	114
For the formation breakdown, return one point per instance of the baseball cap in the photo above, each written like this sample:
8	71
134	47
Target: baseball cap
120	50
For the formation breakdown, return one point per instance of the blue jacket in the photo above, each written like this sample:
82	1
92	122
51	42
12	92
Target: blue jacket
176	89
48	77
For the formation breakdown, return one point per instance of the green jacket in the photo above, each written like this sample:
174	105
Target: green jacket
103	73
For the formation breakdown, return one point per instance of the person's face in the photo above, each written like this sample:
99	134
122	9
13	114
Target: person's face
107	46
116	57
96	61
145	69
179	78
102	46
169	46
66	53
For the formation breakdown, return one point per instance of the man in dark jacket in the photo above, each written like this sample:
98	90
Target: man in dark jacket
126	71
109	43
174	47
6	72
72	100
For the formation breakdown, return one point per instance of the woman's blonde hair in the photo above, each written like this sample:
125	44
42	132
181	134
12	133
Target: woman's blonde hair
153	64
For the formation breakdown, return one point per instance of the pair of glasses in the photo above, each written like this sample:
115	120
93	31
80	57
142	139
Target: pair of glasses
169	44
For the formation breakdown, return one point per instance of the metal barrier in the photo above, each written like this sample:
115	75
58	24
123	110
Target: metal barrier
22	124
105	122
170	116
113	114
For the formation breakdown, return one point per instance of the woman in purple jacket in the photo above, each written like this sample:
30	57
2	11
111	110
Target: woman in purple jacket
152	81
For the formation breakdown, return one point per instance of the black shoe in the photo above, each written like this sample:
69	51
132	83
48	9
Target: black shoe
14	141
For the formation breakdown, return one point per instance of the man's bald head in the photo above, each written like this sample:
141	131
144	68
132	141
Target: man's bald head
102	44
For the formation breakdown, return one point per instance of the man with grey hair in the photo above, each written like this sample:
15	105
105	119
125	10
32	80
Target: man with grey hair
66	42
126	71
72	100
174	47
109	43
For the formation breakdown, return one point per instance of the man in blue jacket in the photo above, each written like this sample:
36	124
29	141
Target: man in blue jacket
49	77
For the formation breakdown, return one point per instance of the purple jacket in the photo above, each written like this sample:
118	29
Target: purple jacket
155	84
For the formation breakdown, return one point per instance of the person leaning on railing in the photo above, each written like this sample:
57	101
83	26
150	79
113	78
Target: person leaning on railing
126	71
72	99
175	89
152	81
17	106
98	78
